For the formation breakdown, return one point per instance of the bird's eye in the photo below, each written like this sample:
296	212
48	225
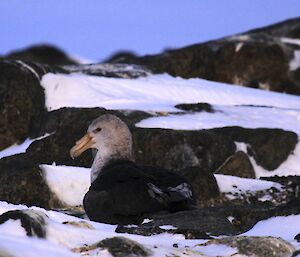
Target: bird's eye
97	130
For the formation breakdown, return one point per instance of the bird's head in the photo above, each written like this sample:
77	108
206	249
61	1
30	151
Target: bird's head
108	134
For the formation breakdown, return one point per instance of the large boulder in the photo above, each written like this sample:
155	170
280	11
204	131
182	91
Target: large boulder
45	54
256	246
269	147
22	101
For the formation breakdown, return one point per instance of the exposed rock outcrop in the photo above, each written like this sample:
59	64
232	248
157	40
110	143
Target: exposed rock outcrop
260	58
44	54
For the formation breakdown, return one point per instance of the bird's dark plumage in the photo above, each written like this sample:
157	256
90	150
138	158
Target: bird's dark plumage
123	192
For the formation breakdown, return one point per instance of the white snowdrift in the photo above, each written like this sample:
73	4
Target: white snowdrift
68	183
152	93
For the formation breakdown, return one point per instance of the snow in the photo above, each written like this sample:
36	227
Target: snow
68	183
292	41
286	227
21	148
295	62
152	93
62	238
244	116
31	247
234	184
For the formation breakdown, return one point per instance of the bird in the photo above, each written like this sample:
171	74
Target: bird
122	191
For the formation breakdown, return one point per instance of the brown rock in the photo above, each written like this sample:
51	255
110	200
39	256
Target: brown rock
238	165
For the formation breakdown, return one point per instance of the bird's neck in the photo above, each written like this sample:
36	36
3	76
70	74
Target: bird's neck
102	158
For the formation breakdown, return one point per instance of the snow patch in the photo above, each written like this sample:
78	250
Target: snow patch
292	41
68	183
295	62
285	227
21	148
151	93
235	184
244	116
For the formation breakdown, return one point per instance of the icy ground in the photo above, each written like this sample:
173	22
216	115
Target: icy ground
234	106
63	239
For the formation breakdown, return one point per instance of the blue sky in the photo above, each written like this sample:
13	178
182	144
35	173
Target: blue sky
97	28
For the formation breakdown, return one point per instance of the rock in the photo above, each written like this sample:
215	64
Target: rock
291	185
23	183
118	247
45	54
120	57
22	105
22	101
178	150
204	184
269	147
33	221
198	107
121	246
223	219
256	246
195	154
238	165
297	237
168	148
257	58
200	223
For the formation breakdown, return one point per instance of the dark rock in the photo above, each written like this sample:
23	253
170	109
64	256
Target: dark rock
269	147
297	237
204	184
291	185
22	105
122	247
281	29
238	165
198	107
195	154
254	65
56	147
200	223
22	102
23	183
256	59
223	219
120	57
296	253
178	150
34	222
256	246
45	54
